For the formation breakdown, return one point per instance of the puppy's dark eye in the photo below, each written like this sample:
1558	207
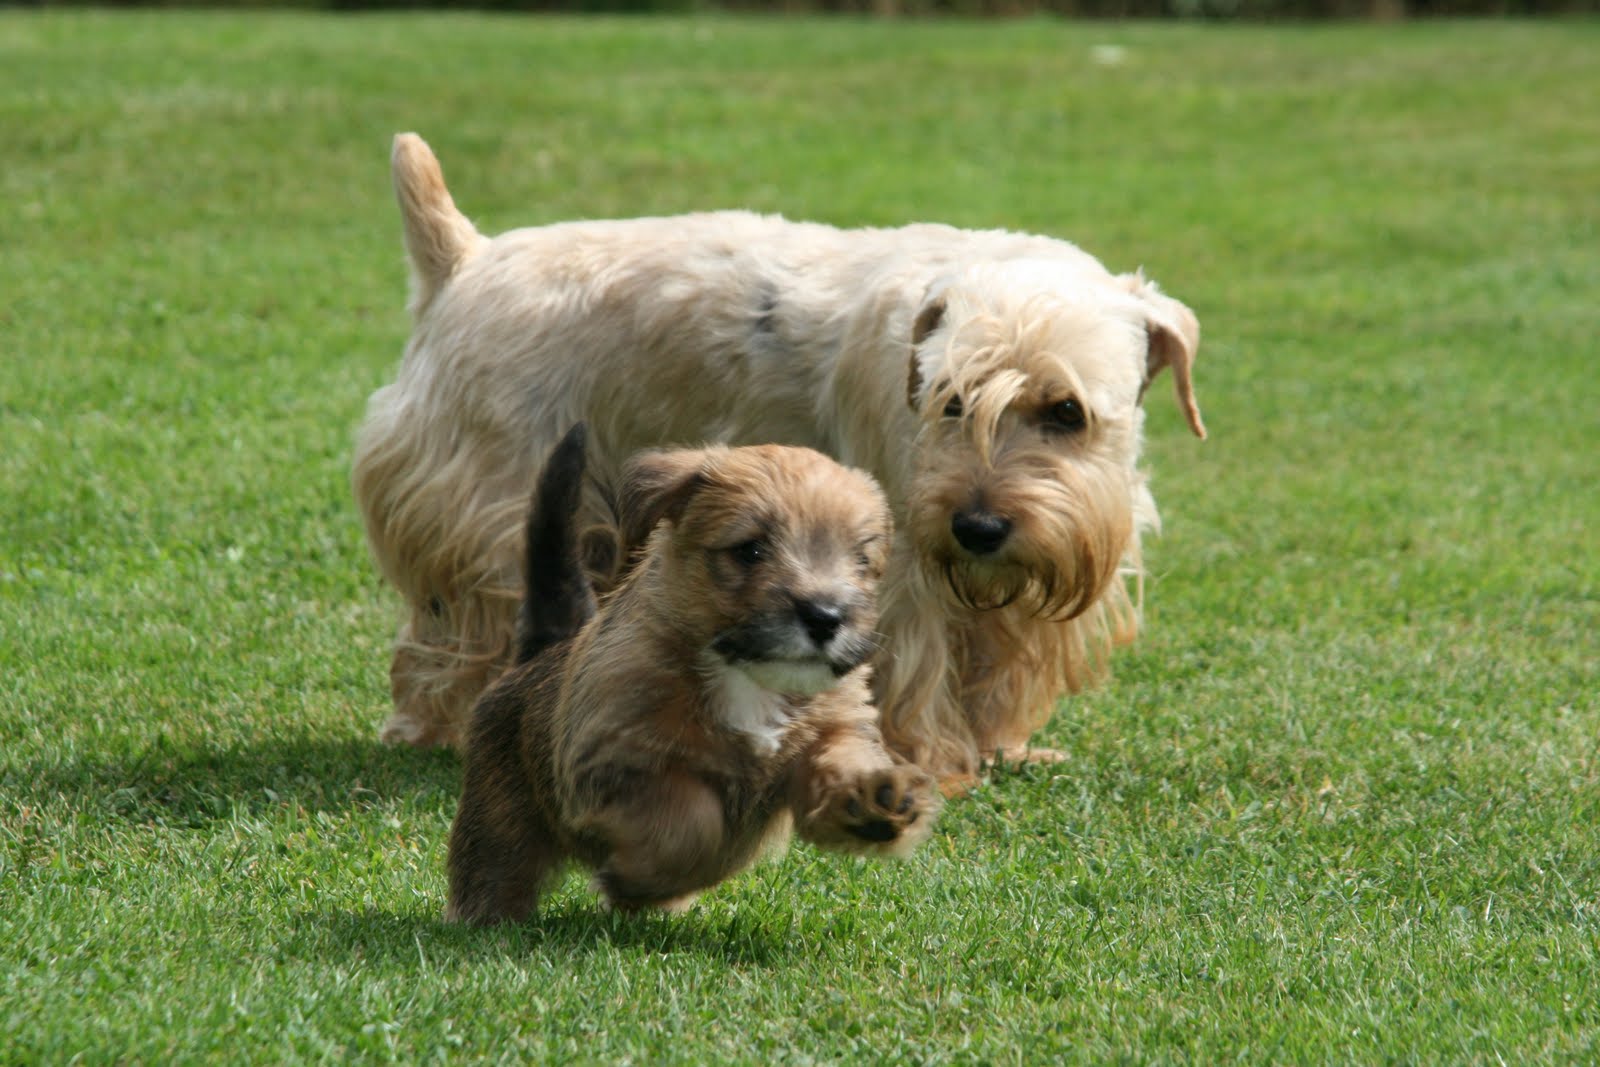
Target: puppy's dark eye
749	553
953	409
864	551
1067	416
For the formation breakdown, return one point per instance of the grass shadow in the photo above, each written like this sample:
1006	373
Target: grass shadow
169	784
567	929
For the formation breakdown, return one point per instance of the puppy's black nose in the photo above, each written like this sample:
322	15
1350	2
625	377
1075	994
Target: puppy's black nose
820	618
980	532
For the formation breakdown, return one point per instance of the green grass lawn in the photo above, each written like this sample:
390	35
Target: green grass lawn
1341	804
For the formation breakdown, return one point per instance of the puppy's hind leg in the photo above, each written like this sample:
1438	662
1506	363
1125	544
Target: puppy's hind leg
500	862
503	849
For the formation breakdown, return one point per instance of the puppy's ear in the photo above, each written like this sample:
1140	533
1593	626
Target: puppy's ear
1174	335
927	320
656	486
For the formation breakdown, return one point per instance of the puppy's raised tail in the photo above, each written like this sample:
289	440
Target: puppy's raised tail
438	237
559	598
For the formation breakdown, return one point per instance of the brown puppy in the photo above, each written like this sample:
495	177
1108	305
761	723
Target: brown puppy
718	697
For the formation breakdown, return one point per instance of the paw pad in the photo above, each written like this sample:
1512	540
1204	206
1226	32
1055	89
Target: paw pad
884	805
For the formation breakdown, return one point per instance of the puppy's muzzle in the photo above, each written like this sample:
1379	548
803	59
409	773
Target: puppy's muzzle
816	631
981	533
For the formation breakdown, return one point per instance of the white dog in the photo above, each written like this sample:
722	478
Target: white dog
991	381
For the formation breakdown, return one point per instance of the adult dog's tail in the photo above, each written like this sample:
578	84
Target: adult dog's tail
559	599
438	237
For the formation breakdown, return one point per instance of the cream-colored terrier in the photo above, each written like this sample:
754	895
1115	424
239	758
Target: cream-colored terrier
991	382
717	698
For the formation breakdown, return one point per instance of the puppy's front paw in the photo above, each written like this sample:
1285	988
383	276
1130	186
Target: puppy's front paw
886	810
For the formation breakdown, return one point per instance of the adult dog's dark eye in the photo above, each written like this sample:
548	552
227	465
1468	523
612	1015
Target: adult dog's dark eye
953	409
1067	416
749	553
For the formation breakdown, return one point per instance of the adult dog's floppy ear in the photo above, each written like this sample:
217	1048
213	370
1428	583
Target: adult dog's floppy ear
1174	335
927	320
656	486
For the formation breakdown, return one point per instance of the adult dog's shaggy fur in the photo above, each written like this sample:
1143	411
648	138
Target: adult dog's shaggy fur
716	698
991	381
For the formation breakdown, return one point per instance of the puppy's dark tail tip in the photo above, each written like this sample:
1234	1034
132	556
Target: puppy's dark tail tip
563	472
558	599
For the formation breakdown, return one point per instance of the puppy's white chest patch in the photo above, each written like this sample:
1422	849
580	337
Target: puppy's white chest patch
759	713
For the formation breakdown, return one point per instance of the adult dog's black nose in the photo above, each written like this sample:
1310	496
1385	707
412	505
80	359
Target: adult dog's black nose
980	532
820	618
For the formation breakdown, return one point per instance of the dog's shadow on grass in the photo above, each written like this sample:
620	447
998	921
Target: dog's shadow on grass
187	786
568	932
184	785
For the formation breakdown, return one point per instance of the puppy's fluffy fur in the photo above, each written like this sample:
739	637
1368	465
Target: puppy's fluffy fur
716	698
990	381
